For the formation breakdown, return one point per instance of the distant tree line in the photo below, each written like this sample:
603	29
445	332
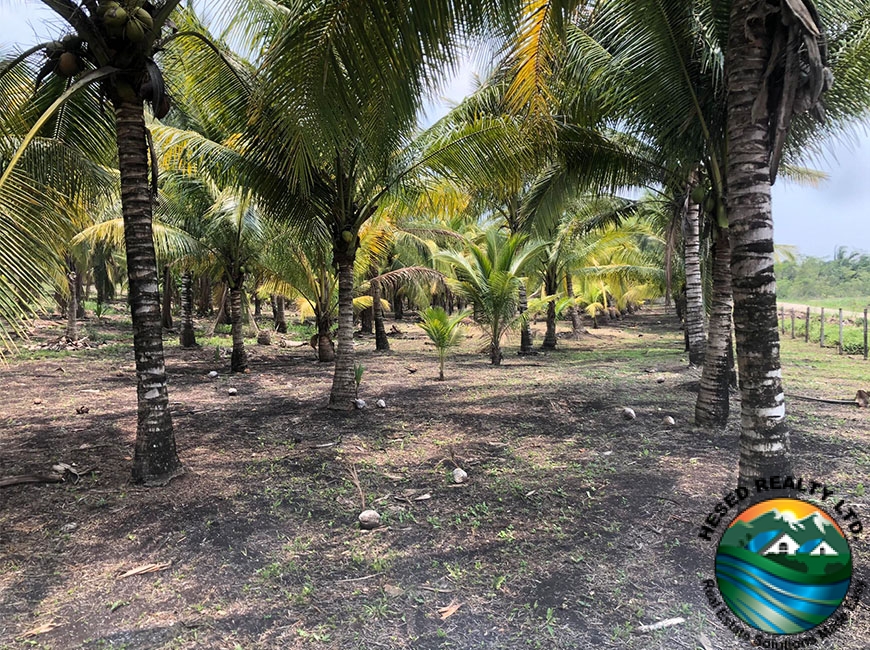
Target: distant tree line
847	275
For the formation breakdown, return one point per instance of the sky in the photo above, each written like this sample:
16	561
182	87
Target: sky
815	220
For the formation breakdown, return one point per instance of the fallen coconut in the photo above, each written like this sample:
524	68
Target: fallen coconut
460	475
629	414
669	421
213	374
359	403
381	404
660	380
369	519
232	391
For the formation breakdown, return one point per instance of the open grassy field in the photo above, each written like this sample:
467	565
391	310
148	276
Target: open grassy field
574	528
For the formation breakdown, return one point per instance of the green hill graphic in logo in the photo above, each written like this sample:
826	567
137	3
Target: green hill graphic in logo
783	566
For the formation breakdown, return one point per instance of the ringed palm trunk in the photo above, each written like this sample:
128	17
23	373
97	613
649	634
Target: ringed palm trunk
187	339
549	342
382	343
155	458
712	405
525	328
764	435
343	385
166	313
239	359
694	286
573	311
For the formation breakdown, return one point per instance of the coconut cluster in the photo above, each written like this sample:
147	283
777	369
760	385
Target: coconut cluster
126	20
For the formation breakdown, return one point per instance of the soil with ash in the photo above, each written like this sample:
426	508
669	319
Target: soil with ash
574	528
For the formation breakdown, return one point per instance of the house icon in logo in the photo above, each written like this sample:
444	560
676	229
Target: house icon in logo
784	544
781	545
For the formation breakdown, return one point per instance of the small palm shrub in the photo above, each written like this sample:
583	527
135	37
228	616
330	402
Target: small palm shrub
444	332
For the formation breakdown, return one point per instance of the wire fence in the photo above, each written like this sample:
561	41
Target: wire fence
827	327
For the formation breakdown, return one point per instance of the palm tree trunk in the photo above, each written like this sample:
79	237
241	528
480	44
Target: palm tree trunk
278	315
325	347
80	294
573	311
367	321
72	327
495	354
382	343
398	312
204	306
441	355
764	435
550	283
343	385
525	328
694	285
712	405
187	338
239	359
155	458
166	311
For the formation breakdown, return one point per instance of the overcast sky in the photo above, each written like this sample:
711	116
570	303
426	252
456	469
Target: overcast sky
814	220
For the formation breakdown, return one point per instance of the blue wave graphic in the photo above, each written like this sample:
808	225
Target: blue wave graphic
771	603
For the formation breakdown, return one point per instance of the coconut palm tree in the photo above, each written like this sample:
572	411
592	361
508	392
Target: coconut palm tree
110	50
489	276
443	330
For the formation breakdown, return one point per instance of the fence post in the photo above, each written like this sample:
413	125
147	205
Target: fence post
782	320
822	329
865	334
792	323
840	316
807	329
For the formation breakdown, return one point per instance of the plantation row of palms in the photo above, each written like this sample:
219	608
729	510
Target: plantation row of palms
282	158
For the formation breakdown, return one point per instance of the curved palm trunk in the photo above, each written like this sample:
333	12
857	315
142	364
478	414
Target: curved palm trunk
382	343
166	311
188	336
764	435
525	328
155	459
712	405
695	336
239	359
573	311
343	385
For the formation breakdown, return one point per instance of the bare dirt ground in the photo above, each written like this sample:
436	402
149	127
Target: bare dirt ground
575	527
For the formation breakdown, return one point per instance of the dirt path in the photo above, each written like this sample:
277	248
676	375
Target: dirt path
800	310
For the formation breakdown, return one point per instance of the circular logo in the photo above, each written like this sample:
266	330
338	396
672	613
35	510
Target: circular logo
783	566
